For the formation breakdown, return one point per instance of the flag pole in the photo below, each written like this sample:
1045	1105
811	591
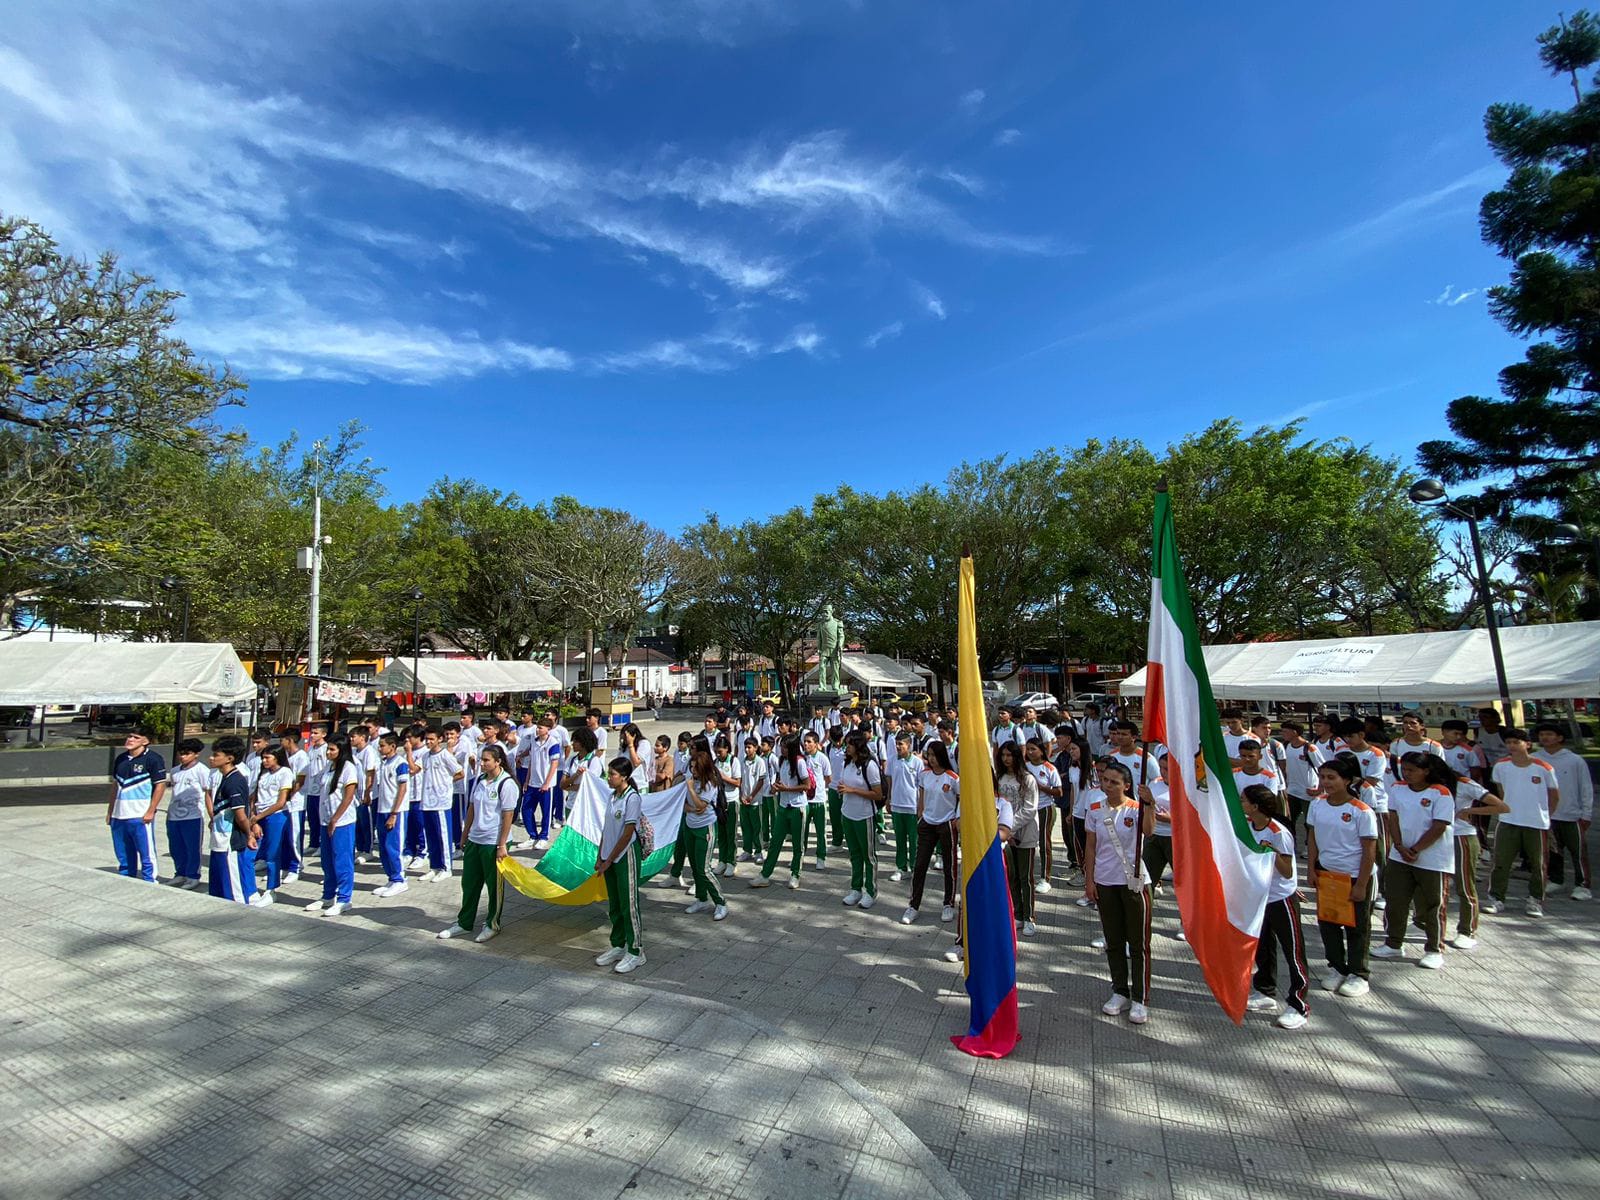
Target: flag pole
1144	754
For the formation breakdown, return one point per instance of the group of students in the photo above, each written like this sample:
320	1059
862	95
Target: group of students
1389	823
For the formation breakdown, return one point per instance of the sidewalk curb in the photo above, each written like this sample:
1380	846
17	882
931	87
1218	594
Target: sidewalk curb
56	781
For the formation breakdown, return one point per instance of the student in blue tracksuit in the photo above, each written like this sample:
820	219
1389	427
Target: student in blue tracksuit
298	762
189	784
337	815
233	835
273	787
138	781
389	813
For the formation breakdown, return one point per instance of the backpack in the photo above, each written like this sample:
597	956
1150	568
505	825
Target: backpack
646	834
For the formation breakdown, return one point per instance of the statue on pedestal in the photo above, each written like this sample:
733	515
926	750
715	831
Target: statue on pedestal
830	651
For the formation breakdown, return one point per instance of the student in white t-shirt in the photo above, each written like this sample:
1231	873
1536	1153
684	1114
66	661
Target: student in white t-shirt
390	801
752	785
188	785
1422	854
1234	731
860	787
1048	780
791	782
1569	820
902	785
817	806
1116	883
1342	830
1473	800
1280	922
273	788
491	808
299	764
337	816
938	802
1528	786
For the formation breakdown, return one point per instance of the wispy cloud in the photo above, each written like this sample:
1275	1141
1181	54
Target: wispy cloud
972	101
889	332
708	353
1007	137
931	304
1446	299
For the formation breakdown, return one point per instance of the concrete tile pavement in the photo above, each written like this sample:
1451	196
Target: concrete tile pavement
1477	1079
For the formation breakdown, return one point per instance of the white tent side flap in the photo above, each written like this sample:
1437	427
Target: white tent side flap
463	676
122	673
1542	662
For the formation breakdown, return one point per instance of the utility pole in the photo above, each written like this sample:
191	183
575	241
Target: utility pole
314	651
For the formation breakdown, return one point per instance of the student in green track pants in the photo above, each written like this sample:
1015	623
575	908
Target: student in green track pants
729	777
903	776
790	783
817	804
699	818
769	797
491	805
836	759
617	859
860	787
752	784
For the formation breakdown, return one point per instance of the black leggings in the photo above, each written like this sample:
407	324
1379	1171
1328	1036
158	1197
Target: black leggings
930	839
1280	926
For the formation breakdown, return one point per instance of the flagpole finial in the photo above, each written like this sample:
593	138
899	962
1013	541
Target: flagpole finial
1161	484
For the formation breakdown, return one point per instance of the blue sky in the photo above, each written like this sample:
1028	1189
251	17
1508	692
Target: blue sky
724	254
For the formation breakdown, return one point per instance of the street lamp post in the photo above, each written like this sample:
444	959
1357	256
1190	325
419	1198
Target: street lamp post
1431	491
172	583
416	652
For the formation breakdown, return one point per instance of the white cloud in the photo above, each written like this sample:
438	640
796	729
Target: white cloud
1007	137
709	353
931	303
803	338
1449	298
1466	295
972	101
889	332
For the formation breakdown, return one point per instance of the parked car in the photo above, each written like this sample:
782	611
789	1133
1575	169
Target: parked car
1038	700
916	702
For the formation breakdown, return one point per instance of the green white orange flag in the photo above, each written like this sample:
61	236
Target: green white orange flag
1219	870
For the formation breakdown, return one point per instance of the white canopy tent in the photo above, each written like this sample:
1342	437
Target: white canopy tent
876	671
34	673
1545	662
464	676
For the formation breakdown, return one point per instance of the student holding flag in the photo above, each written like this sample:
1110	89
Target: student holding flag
617	861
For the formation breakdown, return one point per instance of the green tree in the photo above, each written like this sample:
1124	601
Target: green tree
88	368
1541	437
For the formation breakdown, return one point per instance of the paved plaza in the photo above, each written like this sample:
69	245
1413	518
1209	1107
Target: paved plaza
159	1043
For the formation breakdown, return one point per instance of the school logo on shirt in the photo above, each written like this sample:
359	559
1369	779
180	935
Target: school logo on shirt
1427	803
1128	821
1536	779
1345	817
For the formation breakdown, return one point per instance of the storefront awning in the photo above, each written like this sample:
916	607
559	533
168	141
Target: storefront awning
464	676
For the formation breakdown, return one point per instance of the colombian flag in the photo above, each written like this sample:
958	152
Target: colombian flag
988	930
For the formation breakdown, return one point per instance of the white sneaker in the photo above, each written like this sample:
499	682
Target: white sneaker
1534	909
382	891
413	863
1464	941
630	962
794	882
1260	1003
525	844
1042	886
1029	929
699	906
487	934
1380	904
953	954
1331	980
746	856
1384	950
1291	1018
316	906
361	860
719	913
896	876
908	916
1097	943
1354	985
1582	893
1082	902
337	907
852	897
1138	1014
610	956
189	884
729	868
1114	1006
1493	906
867	902
760	881
289	877
821	864
1181	935
938	862
542	844
947	913
454	931
1431	961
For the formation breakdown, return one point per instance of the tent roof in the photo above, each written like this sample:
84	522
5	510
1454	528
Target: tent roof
447	676
34	672
1542	662
877	671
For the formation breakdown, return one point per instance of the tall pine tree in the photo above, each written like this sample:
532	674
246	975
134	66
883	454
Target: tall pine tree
1540	440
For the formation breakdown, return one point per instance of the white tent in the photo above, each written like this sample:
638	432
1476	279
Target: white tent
1545	662
122	673
464	676
876	671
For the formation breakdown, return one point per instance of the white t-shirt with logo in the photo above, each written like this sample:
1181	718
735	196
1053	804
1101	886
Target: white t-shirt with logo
1281	839
489	801
334	782
1115	831
1418	811
186	792
941	796
1045	775
1526	791
859	808
1340	829
270	785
